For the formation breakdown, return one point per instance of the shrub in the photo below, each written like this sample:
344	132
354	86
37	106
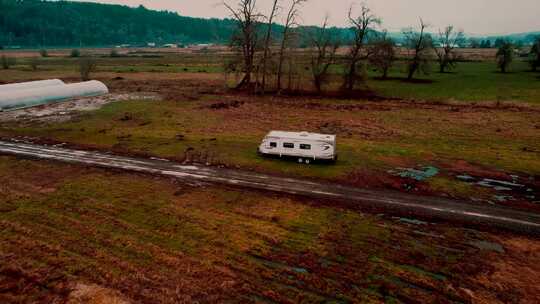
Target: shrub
87	65
534	55
7	62
33	63
44	53
75	53
505	56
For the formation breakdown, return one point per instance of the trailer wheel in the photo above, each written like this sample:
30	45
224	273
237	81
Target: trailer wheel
300	160
308	161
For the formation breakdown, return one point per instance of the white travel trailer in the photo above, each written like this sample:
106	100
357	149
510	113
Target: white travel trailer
303	146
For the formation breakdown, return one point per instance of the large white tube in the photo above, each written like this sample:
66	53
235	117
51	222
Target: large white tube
37	96
30	85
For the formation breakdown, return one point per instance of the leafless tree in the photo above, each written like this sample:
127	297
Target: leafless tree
382	54
362	25
267	41
290	22
246	39
448	40
324	55
420	43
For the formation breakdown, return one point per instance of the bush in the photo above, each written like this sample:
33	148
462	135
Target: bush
534	55
114	53
33	63
7	62
505	56
44	53
87	65
75	53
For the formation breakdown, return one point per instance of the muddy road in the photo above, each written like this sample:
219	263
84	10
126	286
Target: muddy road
396	203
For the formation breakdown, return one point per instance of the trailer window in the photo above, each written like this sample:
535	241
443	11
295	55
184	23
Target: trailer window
273	145
305	147
288	145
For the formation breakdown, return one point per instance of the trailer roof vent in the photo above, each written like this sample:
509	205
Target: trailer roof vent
305	134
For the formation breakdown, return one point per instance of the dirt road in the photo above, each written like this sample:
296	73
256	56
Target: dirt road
397	203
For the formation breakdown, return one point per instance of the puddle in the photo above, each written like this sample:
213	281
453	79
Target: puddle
488	246
507	190
417	174
412	221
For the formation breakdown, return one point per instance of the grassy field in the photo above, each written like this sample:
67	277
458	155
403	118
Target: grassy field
156	241
476	81
374	137
201	122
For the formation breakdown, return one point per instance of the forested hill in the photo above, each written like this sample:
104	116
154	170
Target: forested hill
61	23
42	23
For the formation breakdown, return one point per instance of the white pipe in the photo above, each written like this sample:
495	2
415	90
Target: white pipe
30	85
37	96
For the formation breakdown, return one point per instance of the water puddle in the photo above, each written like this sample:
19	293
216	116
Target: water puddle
488	246
417	174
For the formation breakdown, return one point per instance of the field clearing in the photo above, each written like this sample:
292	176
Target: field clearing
198	120
153	240
477	79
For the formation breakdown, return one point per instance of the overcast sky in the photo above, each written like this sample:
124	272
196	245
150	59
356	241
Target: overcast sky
473	16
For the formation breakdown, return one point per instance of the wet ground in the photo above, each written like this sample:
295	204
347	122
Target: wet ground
67	110
392	202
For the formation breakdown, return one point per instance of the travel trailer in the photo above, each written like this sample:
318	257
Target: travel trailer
302	146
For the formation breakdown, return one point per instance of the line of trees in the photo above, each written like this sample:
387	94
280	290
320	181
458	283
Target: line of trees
266	54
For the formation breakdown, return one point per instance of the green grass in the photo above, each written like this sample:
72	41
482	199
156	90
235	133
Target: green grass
470	81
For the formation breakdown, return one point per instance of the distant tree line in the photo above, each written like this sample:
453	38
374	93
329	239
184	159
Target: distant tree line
61	23
47	23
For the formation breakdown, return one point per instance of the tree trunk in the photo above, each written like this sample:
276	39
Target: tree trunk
351	77
317	83
245	81
412	70
267	46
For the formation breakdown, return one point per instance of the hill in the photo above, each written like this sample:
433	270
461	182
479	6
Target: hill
63	23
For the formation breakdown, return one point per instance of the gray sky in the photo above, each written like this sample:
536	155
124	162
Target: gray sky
473	16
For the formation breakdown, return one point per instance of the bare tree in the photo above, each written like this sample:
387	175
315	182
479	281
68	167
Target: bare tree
325	48
383	54
420	43
448	40
290	22
362	25
246	38
267	41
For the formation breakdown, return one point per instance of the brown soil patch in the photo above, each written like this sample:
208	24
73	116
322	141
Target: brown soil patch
513	278
94	294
